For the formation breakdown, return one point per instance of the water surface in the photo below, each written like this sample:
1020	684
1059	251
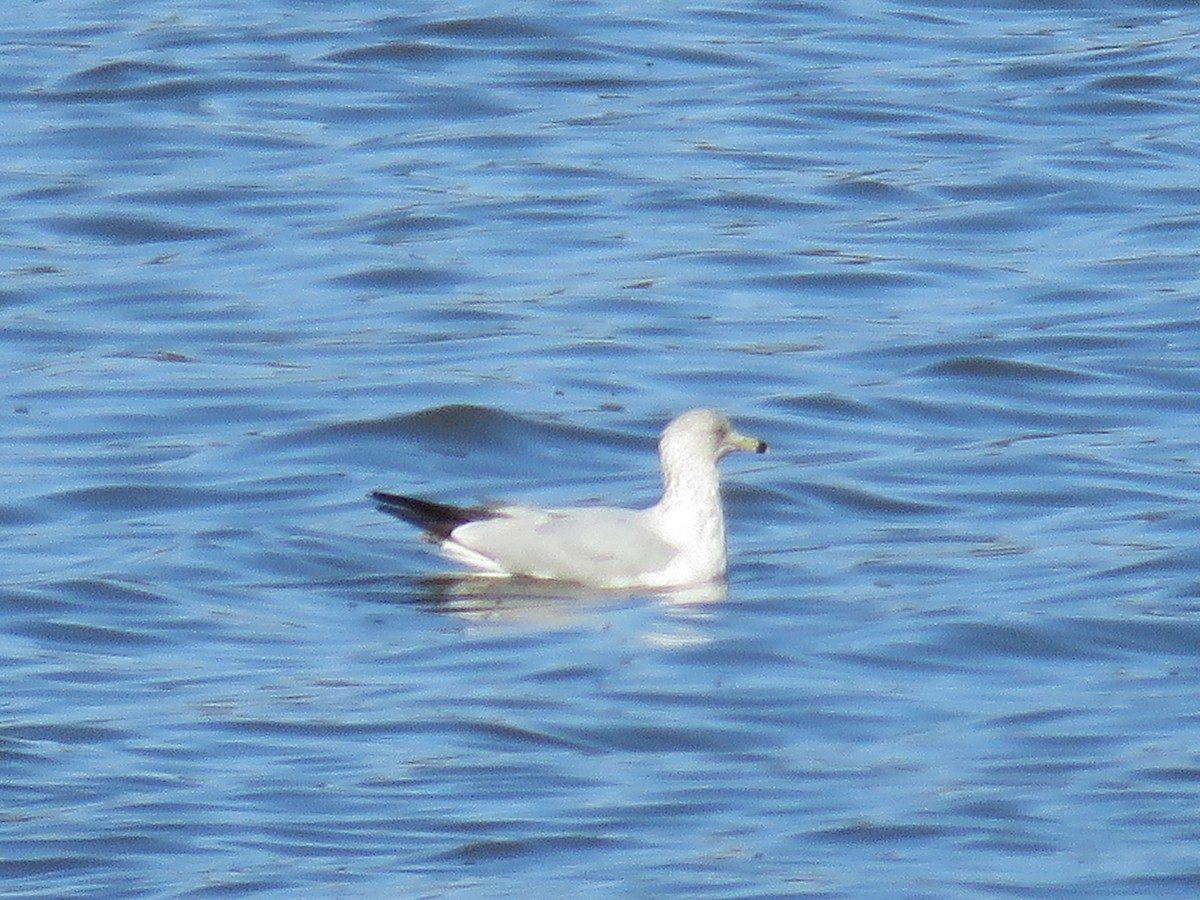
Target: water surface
259	261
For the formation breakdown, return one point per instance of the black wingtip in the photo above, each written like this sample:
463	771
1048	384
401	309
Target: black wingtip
437	519
386	498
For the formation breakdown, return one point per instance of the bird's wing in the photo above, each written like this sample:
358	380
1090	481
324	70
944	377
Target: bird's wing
596	546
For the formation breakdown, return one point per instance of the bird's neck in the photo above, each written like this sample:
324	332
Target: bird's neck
691	504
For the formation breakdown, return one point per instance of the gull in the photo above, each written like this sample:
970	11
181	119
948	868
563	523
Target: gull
680	541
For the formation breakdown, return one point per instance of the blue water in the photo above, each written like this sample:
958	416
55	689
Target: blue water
260	259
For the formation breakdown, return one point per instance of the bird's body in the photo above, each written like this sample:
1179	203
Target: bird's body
679	541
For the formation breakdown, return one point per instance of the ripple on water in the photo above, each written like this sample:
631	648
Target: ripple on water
127	229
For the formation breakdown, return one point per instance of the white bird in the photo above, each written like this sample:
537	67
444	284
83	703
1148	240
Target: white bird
677	542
